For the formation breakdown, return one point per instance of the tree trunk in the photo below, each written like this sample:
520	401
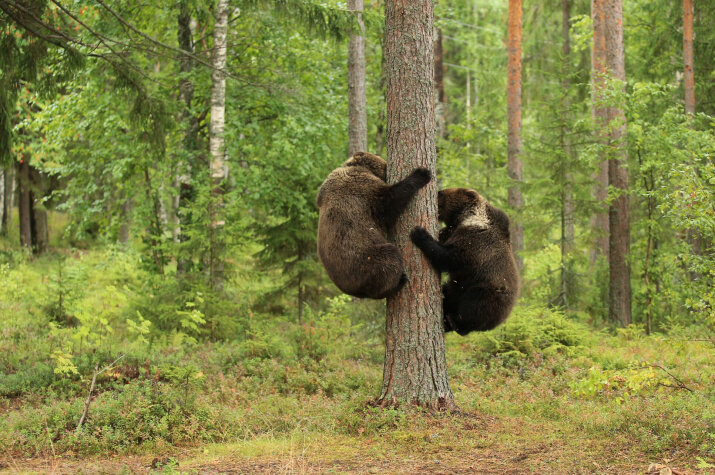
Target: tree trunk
2	202
689	75
8	200
599	112
125	225
415	365
357	95
39	228
515	198
619	304
218	166
24	203
440	97
567	202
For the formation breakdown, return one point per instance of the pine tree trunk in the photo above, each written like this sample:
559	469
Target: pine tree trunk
689	75
24	203
39	227
619	214
599	112
357	95
415	365
440	97
515	198
218	166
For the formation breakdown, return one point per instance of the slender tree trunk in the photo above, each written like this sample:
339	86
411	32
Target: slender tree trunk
415	365
567	203
2	202
599	112
619	304
218	166
24	203
515	198
125	225
694	238
39	226
689	75
357	95
8	200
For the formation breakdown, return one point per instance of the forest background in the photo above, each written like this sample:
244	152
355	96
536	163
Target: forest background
160	294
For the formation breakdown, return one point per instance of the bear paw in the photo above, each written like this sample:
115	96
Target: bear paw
420	235
422	176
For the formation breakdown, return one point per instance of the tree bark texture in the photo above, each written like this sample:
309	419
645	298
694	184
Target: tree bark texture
218	166
440	97
599	112
619	214
415	365
357	89
688	72
514	165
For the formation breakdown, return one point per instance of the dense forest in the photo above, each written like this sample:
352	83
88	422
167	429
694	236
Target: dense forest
162	303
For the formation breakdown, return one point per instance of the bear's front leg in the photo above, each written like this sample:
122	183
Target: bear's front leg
437	254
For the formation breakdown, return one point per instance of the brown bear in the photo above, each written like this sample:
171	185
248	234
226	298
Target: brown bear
474	249
356	208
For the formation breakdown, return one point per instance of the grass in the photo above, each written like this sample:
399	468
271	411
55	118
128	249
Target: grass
543	393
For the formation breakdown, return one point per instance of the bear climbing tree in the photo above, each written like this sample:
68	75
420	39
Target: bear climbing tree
415	365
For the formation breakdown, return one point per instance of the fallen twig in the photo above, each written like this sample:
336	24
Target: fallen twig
680	383
88	401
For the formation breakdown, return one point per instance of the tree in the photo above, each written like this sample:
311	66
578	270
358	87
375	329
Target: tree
357	95
217	151
415	365
689	76
514	165
599	113
619	295
567	199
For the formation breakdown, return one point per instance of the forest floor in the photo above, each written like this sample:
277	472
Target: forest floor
547	392
460	443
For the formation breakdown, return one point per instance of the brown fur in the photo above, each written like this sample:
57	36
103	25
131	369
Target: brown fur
356	208
474	248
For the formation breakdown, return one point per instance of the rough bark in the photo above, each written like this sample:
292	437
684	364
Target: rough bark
619	304
514	165
415	366
218	168
599	221
357	95
24	203
689	75
440	97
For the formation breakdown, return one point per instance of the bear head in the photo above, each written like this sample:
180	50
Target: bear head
466	207
375	164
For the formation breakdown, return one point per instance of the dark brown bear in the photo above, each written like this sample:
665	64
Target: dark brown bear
474	248
356	208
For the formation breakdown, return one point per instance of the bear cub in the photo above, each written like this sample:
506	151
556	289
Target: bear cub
356	208
475	250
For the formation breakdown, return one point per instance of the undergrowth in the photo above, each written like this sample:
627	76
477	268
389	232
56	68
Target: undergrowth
178	384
